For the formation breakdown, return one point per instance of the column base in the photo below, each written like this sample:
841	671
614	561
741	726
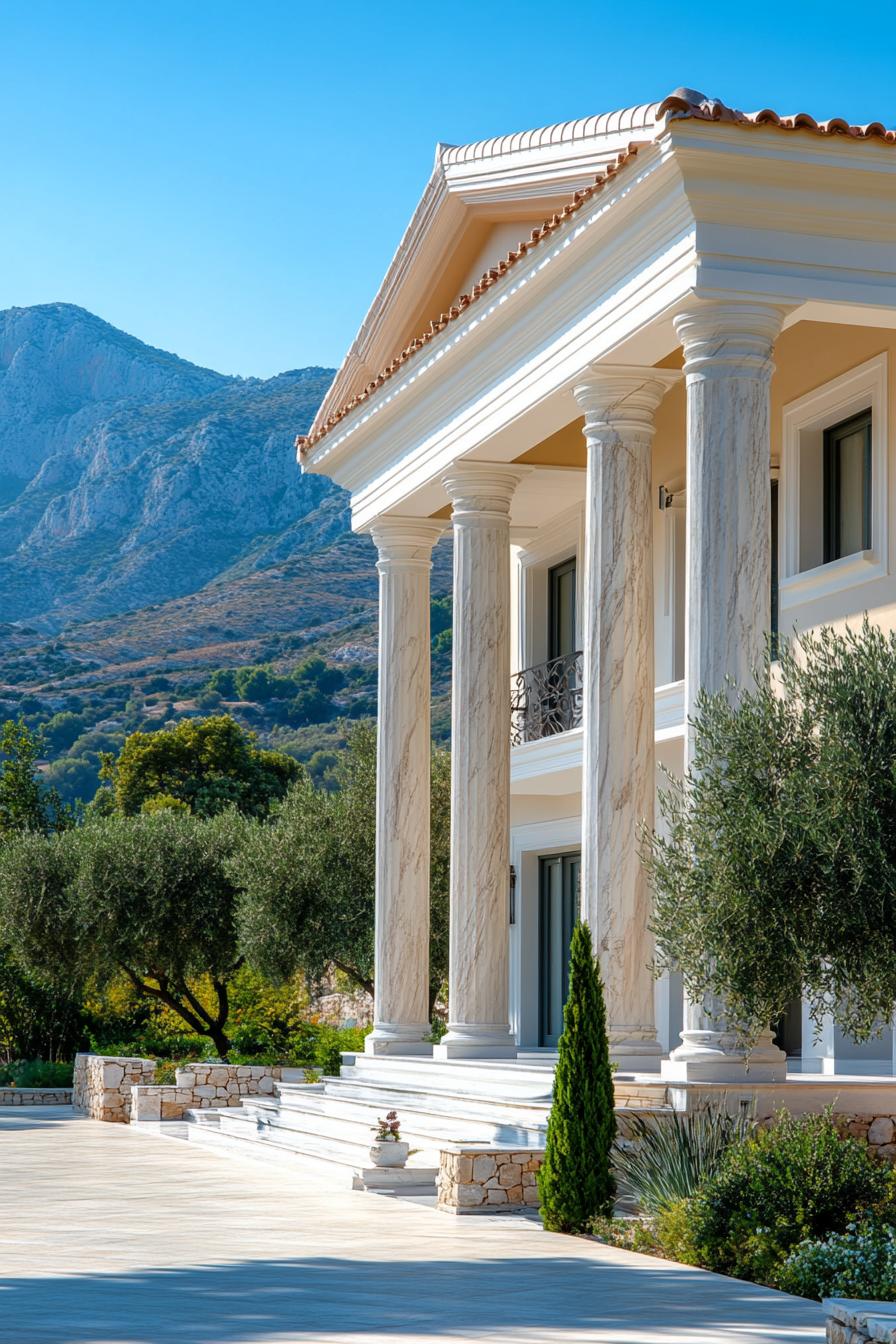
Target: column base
476	1040
715	1057
635	1050
391	1038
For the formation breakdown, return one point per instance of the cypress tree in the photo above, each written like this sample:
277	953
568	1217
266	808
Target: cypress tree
576	1182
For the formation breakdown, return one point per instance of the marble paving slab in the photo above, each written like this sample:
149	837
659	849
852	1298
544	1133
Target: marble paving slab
109	1236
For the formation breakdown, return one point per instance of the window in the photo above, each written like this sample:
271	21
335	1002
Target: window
834	514
562	609
847	487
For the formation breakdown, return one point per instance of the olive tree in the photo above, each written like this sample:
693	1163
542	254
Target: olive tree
308	875
209	765
149	896
775	871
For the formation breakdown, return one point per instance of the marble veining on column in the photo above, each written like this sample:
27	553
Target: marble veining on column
618	780
728	367
478	990
401	979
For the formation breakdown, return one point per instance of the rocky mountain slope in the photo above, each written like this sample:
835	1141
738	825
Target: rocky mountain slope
130	477
154	527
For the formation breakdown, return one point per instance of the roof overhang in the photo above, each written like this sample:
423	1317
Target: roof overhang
707	209
510	177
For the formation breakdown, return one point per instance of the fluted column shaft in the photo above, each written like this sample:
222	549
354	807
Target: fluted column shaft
479	951
401	978
728	367
618	772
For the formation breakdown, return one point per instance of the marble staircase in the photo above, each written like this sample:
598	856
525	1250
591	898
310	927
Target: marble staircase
329	1124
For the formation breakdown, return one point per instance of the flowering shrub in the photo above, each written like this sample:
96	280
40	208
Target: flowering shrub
798	1180
388	1130
860	1262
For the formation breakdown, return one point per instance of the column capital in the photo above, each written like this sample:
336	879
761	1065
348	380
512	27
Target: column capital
406	541
725	338
482	487
622	397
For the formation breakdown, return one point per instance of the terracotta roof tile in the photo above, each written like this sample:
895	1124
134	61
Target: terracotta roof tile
687	103
681	105
305	442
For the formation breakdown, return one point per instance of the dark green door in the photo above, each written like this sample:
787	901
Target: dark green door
558	907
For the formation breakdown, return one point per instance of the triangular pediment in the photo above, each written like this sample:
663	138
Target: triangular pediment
480	202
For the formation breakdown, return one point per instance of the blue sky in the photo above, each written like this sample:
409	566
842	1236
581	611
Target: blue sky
229	180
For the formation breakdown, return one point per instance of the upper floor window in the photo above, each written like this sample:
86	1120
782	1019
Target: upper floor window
562	609
834	520
847	487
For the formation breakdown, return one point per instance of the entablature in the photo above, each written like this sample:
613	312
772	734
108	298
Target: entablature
707	210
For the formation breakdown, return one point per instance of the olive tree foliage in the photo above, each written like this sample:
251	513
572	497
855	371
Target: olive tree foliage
149	896
308	876
26	804
208	765
775	871
34	1020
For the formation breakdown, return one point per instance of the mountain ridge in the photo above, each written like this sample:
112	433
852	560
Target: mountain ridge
116	459
155	529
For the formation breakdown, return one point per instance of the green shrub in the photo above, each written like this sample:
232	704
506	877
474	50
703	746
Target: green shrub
576	1182
152	1042
629	1234
26	1073
670	1156
860	1262
674	1233
797	1179
331	1041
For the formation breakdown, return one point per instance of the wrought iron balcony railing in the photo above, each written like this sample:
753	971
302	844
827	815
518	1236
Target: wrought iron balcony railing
546	699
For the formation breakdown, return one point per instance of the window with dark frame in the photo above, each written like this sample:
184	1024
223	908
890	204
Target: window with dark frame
847	487
562	609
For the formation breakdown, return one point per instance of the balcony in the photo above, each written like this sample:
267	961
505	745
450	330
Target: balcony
546	699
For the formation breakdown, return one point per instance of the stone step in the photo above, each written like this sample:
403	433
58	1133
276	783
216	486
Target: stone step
239	1131
439	1097
644	1095
422	1124
315	1123
450	1101
503	1082
490	1078
454	1117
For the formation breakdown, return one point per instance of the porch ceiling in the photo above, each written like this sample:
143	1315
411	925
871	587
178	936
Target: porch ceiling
544	493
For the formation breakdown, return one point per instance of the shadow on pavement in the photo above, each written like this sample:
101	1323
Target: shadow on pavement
315	1298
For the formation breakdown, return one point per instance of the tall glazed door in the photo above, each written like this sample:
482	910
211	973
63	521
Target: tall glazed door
557	910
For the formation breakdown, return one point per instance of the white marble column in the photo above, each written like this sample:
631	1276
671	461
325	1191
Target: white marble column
728	366
618	769
401	977
478	978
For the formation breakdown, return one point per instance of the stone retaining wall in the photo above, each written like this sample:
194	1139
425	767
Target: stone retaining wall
102	1085
878	1131
850	1321
35	1096
199	1086
481	1179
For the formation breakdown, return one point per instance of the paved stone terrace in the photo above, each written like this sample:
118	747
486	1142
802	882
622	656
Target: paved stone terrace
111	1236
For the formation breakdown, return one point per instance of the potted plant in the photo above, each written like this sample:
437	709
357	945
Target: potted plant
388	1149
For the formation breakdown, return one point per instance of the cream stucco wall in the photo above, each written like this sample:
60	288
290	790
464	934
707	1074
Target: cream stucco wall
808	356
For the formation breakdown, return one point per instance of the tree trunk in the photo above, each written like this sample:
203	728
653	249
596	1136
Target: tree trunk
219	1040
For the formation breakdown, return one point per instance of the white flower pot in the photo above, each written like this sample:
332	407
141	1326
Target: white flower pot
391	1153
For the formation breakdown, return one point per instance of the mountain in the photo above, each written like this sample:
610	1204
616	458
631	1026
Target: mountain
129	477
154	527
